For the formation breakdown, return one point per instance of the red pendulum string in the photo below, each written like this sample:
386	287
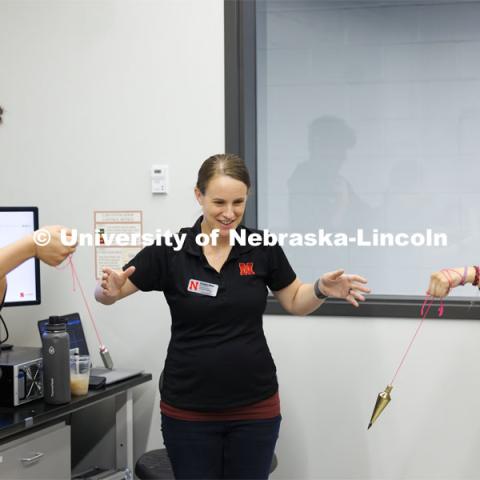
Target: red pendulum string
427	304
104	353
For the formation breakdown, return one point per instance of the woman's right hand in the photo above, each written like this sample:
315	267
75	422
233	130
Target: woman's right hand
113	281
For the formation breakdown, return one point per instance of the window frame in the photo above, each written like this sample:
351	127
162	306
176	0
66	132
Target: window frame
241	138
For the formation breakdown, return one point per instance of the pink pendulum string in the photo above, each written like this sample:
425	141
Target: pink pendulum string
76	280
427	304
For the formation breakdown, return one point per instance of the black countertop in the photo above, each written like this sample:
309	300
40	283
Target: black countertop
15	420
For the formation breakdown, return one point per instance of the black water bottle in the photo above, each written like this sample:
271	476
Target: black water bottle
56	362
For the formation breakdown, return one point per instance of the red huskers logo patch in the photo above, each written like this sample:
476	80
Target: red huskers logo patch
246	268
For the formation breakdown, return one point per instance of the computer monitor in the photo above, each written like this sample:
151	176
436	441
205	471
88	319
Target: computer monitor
23	283
74	330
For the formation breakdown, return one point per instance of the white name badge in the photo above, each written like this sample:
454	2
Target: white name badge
203	288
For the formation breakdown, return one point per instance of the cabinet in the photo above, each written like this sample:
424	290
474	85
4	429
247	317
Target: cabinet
44	454
40	441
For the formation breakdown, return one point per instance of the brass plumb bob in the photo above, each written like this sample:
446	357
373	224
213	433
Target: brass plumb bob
383	400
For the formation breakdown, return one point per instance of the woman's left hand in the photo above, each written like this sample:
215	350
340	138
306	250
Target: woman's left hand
340	285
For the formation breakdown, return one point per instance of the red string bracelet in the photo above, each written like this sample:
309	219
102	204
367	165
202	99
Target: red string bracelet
477	275
446	273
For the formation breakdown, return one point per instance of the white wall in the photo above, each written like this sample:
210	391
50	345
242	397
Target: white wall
330	371
94	93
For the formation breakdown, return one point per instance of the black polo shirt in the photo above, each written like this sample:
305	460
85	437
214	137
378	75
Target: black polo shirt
218	357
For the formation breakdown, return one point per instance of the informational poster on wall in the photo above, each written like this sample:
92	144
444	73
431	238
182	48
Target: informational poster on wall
117	238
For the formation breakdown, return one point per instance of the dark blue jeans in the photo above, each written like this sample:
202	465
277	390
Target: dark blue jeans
239	449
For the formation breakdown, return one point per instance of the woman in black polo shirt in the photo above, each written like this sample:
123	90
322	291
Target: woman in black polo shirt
220	404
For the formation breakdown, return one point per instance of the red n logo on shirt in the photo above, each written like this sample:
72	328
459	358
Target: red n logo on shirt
246	268
193	285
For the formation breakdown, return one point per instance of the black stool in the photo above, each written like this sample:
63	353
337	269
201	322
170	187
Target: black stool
155	465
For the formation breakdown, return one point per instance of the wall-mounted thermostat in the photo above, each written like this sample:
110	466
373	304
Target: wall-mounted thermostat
159	178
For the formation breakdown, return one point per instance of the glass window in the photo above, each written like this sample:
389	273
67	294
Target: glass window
368	123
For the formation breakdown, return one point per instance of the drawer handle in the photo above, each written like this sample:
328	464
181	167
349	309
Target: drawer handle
33	458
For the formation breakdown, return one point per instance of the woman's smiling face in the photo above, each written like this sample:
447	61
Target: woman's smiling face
223	204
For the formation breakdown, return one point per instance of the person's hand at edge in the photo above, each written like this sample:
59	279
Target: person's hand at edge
52	252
